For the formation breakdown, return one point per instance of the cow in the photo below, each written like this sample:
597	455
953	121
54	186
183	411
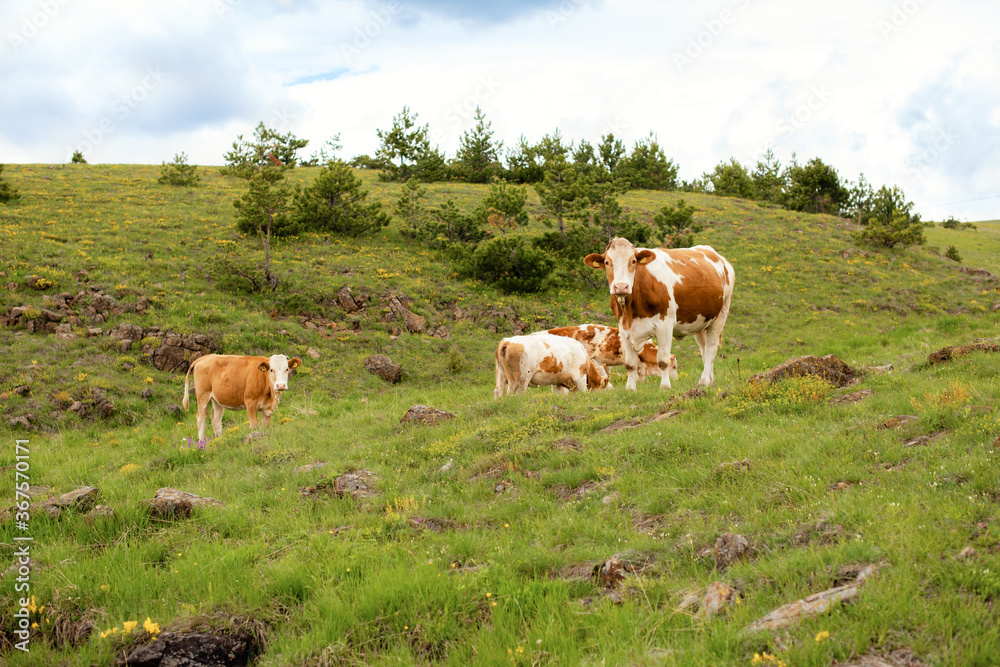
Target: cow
237	383
542	359
667	294
604	346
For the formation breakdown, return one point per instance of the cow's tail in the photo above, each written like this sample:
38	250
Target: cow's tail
187	376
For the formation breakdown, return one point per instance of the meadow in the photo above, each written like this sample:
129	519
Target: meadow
538	529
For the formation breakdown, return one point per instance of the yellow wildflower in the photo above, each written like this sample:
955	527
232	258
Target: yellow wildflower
151	628
820	636
128	627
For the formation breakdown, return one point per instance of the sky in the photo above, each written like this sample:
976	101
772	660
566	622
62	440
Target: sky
906	92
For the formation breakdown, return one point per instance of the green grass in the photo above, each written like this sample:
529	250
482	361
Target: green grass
481	564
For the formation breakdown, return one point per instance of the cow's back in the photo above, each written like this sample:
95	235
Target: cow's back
230	378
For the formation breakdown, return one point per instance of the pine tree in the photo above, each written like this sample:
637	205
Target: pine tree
478	155
406	142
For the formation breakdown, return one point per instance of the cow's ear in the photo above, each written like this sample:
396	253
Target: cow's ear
645	256
594	260
263	367
294	362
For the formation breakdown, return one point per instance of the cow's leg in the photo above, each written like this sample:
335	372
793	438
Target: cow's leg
581	382
709	342
664	341
216	419
252	413
501	383
631	361
203	401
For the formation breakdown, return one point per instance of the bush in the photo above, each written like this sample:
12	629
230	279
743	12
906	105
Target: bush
731	180
8	193
503	207
178	172
335	203
78	158
952	254
900	230
510	265
676	224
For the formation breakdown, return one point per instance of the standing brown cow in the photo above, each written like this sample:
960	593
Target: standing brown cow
238	383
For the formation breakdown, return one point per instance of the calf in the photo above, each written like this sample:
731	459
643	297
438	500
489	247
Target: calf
238	383
544	359
604	346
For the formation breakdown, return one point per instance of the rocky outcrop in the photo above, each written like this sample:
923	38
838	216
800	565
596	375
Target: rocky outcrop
955	351
193	649
424	414
170	503
384	367
829	368
166	350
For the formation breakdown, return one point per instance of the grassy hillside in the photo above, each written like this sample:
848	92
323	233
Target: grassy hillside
492	560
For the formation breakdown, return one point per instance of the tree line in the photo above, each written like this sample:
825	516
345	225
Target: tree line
577	184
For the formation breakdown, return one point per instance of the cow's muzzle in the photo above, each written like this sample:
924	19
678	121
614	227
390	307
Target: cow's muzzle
620	289
280	387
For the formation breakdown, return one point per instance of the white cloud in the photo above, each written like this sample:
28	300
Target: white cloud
866	86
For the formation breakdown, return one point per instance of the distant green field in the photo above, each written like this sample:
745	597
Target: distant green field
484	537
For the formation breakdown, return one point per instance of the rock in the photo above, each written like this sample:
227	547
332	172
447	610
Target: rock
357	484
99	512
897	422
690	601
815	604
23	390
982	274
21	421
146	393
830	368
346	300
717	598
80	500
968	553
729	548
610	573
102	405
172	409
309	467
312	353
414	323
853	397
949	353
423	414
169	503
447	467
611	498
733	466
384	367
193	649
694	392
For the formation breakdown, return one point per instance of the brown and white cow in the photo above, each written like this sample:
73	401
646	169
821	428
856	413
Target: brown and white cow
667	294
542	359
604	346
237	383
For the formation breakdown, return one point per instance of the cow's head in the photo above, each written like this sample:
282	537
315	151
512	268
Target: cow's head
279	366
597	376
619	261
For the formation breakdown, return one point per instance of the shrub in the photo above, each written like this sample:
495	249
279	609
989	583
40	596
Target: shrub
952	254
448	227
78	158
510	265
788	395
731	180
503	207
676	224
8	192
335	203
178	172
900	230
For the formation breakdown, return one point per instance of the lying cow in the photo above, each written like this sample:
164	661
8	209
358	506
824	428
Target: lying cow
238	383
604	346
543	359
